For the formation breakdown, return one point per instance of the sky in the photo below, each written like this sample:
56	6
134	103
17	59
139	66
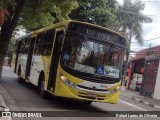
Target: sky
150	30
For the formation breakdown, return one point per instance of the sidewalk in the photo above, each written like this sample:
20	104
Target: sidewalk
3	108
134	95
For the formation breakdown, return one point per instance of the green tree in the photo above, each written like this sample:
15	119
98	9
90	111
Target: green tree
100	12
8	20
130	16
37	13
10	49
129	22
40	13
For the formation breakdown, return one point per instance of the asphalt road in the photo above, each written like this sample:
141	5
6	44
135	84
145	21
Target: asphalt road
25	97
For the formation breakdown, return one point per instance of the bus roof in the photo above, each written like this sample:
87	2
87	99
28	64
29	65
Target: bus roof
65	23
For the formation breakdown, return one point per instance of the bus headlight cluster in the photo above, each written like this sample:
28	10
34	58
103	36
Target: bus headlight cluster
67	82
114	90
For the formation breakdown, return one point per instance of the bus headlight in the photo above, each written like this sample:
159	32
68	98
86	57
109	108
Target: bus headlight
114	90
67	82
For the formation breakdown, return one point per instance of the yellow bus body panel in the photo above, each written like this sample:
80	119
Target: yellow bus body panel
46	64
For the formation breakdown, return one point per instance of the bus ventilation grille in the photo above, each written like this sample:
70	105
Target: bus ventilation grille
84	95
88	88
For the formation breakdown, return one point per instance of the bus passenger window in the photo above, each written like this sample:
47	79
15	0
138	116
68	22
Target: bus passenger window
22	47
47	49
49	36
48	42
35	51
39	43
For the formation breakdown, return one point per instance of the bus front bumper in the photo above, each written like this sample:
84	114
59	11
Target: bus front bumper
64	90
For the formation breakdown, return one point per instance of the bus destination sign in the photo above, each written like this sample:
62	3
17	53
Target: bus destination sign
97	34
103	35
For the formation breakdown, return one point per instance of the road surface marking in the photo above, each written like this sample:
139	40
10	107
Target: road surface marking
137	99
146	103
132	105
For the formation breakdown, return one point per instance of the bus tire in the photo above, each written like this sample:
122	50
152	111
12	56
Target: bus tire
43	92
20	80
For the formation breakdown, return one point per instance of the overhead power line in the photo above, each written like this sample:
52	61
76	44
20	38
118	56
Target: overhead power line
153	15
153	1
145	52
157	52
148	40
137	53
137	14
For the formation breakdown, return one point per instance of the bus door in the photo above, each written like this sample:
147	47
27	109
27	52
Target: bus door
17	53
41	55
29	58
55	57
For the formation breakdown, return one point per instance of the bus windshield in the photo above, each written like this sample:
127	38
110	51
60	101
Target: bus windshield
82	54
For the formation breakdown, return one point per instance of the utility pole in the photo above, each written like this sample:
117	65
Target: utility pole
149	52
128	46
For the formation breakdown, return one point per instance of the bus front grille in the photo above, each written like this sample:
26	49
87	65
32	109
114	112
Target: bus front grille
84	95
87	97
88	88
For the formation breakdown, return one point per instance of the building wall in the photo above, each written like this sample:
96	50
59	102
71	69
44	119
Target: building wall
150	76
136	81
156	94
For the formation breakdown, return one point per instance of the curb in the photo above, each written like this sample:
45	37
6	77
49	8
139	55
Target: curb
147	103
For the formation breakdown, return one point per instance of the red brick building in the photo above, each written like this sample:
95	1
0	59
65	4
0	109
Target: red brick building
145	64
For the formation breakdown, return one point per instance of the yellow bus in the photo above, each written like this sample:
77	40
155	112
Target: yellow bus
72	59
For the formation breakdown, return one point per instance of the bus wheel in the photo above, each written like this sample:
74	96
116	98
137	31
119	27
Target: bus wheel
19	75
87	102
42	90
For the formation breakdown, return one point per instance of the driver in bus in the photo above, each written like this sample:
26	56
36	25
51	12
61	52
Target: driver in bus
65	58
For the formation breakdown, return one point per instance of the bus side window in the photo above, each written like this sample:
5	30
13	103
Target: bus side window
22	47
18	50
26	45
15	46
39	43
48	42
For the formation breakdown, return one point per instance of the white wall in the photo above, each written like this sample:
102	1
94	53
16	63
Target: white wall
156	94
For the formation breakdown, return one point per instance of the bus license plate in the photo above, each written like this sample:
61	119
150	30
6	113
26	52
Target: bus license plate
92	95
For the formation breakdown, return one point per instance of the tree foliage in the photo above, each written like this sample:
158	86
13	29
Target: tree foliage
131	13
4	3
13	8
40	13
37	13
100	12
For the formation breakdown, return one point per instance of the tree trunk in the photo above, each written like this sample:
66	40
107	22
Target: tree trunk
4	41
7	30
